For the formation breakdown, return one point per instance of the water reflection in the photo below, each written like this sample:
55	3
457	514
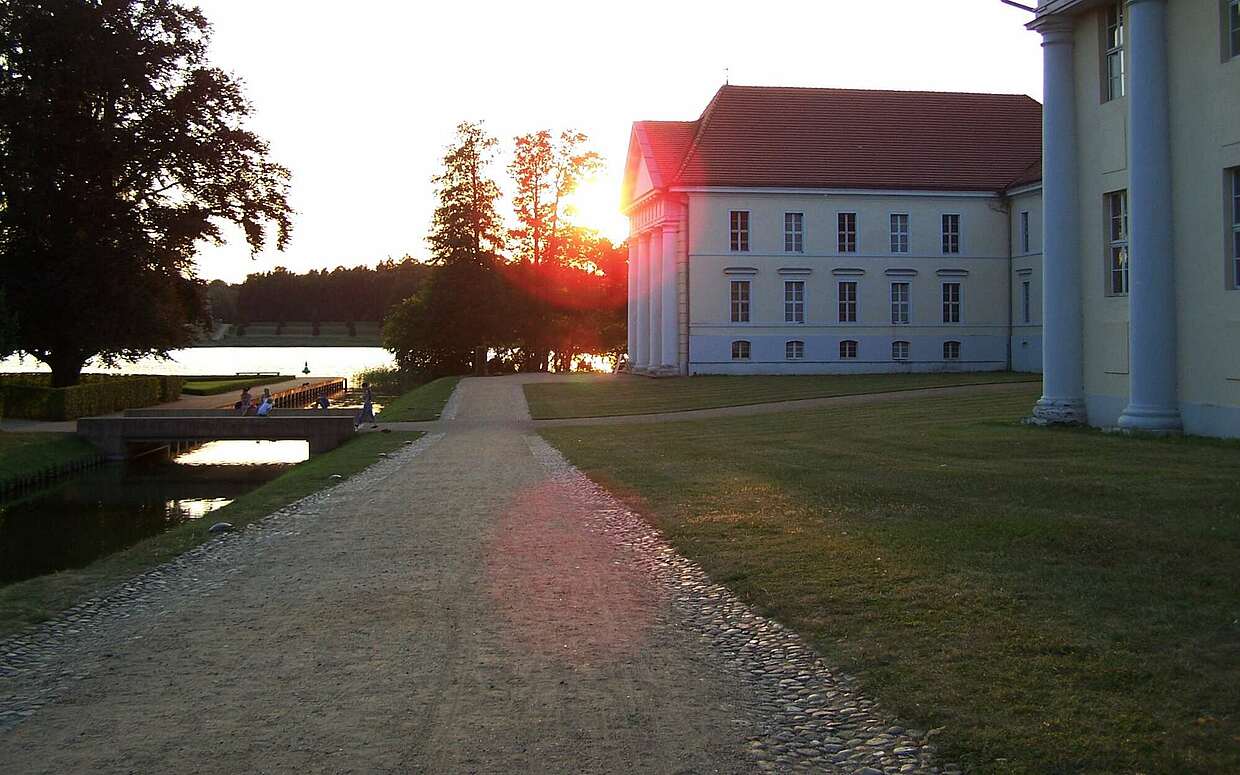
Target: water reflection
245	453
109	508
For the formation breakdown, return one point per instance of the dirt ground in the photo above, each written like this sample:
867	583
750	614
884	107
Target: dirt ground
451	616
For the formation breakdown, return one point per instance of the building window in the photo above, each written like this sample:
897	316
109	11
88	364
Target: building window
848	350
951	233
794	232
740	231
794	350
794	302
1025	311
1117	242
847	229
1233	26
899	303
899	232
740	350
740	301
899	351
951	302
1115	51
1235	210
848	301
951	351
1024	231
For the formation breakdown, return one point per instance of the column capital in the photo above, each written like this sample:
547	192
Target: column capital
1055	30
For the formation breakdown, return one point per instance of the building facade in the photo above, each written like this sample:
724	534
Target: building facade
796	231
1142	204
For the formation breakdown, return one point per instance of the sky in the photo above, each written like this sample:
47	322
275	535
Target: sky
359	99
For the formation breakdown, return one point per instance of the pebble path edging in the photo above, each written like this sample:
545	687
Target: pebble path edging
453	405
814	718
43	662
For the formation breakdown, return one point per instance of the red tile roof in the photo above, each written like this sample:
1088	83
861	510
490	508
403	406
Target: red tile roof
664	143
766	137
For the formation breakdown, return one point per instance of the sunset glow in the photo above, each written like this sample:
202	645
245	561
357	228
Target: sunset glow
596	204
362	168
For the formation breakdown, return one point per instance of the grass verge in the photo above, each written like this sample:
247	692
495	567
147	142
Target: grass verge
34	600
420	404
592	396
1056	600
26	454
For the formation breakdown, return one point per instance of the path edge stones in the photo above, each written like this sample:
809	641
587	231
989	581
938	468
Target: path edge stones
814	717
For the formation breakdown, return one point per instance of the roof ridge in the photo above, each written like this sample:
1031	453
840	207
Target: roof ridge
872	91
702	122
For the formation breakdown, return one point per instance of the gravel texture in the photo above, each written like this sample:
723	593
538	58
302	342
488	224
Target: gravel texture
471	603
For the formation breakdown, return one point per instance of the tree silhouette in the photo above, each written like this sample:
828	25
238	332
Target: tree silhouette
462	308
121	149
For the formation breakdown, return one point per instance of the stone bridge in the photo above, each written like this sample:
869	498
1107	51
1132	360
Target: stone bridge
139	431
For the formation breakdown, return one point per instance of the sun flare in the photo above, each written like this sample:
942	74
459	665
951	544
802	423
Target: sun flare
596	205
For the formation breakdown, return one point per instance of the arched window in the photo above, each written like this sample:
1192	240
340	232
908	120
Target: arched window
848	349
899	351
951	351
794	349
740	350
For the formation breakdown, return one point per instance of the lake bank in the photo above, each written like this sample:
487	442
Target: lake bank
320	360
27	602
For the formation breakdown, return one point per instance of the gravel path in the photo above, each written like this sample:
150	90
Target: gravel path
471	604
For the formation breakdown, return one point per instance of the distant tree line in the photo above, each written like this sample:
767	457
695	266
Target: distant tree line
527	298
340	294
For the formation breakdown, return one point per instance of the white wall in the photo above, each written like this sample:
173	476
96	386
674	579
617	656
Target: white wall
982	268
1026	267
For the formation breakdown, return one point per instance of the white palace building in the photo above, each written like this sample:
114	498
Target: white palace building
792	231
804	231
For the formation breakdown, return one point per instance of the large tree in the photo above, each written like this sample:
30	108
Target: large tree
121	150
546	171
460	310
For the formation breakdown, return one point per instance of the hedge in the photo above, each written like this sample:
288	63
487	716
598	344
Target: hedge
100	394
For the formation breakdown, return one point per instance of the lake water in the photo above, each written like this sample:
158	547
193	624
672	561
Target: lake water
106	509
322	361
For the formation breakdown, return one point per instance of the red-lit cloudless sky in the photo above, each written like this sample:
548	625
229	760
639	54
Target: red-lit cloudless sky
359	98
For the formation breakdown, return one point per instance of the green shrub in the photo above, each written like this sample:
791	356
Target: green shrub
97	394
389	382
170	388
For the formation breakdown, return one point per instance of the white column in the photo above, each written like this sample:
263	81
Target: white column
1152	397
642	342
1063	386
671	310
632	276
656	297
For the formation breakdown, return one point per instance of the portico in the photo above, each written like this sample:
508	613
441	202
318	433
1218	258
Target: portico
655	310
1152	377
1141	143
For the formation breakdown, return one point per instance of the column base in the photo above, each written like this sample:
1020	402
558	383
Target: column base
1151	419
1058	411
657	371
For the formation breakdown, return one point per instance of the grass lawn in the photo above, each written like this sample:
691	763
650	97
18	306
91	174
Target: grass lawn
420	404
24	454
1057	600
213	387
37	599
592	396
